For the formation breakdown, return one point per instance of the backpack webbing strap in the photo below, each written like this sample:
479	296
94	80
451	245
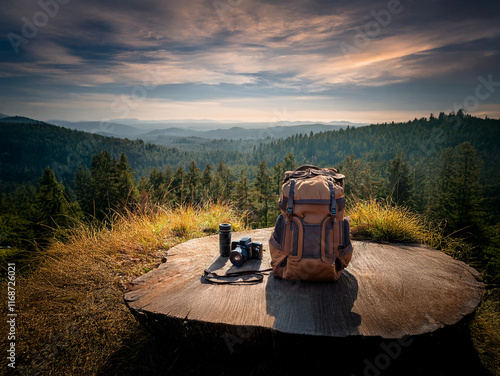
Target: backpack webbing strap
333	201
289	208
346	250
214	278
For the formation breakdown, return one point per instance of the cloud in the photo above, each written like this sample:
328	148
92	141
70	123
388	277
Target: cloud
195	53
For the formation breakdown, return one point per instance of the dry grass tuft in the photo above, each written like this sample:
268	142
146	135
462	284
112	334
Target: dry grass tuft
382	221
71	315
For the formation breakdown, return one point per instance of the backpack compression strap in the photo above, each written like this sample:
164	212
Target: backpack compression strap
333	200
257	277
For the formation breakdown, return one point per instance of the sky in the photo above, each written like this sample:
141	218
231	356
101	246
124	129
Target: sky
249	60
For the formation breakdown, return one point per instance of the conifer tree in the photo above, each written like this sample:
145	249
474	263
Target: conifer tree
360	180
222	183
400	179
178	185
193	182
207	182
83	189
127	190
53	208
104	184
459	192
264	189
242	191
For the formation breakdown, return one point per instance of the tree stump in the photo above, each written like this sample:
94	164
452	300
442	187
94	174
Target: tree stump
388	291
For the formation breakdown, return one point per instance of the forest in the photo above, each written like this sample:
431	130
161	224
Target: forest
442	169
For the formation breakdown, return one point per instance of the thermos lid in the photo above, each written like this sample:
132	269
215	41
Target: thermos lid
225	227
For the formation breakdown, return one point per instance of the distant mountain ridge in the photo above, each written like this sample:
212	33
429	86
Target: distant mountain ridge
104	128
165	136
18	119
28	146
206	124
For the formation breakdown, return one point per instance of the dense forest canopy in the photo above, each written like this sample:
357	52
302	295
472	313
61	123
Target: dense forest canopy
27	148
444	166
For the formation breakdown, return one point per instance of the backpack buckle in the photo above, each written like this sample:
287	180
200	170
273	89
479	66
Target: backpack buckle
333	211
289	210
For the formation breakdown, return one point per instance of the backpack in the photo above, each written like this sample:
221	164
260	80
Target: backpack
311	239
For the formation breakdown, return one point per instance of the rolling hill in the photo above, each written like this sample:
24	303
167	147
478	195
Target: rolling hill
27	146
180	134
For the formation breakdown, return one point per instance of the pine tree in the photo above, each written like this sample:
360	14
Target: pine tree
264	189
222	183
179	185
83	189
53	207
193	182
400	180
279	169
360	180
127	190
207	182
289	163
242	192
104	183
460	190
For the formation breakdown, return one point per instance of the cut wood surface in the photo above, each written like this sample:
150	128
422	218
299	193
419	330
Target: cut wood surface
388	290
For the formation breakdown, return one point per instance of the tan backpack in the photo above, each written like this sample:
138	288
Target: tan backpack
311	239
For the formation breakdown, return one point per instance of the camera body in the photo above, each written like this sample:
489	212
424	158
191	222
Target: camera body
245	249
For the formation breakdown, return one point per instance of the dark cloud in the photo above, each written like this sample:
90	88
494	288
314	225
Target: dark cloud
431	52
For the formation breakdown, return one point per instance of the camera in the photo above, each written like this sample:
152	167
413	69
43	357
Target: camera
245	249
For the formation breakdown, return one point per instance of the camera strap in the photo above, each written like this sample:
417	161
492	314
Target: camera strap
256	276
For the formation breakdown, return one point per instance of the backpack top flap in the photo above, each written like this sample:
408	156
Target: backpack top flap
309	171
313	196
312	191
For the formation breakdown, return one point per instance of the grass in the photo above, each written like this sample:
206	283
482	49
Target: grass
71	315
382	221
72	318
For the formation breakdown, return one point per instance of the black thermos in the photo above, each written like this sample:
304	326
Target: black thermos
225	239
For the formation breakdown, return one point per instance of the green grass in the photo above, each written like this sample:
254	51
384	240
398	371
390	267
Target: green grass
382	221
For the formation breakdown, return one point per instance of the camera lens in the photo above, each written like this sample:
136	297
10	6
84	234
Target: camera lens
224	239
238	256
